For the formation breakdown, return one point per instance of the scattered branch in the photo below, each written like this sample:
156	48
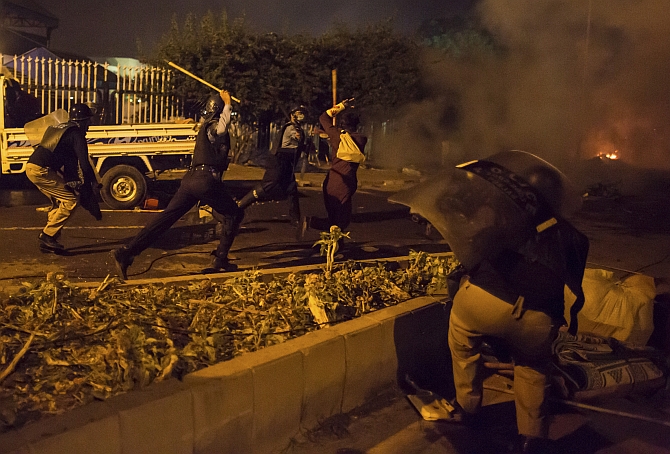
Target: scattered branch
10	368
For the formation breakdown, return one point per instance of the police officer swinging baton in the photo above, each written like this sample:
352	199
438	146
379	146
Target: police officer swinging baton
174	65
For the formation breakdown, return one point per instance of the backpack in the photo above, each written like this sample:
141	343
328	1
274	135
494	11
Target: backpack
348	150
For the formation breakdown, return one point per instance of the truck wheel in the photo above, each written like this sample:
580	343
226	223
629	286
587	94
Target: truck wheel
123	187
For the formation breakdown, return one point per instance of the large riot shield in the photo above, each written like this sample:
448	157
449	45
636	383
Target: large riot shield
35	129
483	207
553	186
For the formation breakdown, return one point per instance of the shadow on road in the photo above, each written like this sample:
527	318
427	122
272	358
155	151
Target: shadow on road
378	216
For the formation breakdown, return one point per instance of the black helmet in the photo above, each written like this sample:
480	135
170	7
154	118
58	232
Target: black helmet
213	107
555	188
79	112
298	114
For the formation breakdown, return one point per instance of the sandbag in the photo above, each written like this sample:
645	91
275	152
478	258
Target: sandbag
622	309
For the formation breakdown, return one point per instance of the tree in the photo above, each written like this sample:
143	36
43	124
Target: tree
270	72
375	64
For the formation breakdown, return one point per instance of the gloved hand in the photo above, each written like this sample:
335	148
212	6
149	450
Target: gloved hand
349	103
340	107
89	201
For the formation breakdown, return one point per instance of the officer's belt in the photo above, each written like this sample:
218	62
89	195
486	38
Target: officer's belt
207	168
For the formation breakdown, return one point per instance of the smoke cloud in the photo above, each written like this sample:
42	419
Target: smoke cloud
575	79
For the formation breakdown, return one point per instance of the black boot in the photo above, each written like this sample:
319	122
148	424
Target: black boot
122	260
48	243
229	230
251	197
219	265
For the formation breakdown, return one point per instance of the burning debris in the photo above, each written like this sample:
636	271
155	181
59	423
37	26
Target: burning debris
614	155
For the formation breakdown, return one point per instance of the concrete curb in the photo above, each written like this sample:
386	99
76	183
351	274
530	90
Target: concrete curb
225	276
256	402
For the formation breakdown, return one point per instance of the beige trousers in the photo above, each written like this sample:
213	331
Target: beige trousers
52	185
477	314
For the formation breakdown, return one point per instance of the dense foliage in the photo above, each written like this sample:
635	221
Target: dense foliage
270	72
62	346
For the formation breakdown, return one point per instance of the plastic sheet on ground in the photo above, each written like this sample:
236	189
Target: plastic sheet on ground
430	406
622	309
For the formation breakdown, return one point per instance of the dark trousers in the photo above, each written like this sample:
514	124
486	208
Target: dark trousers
197	185
338	189
279	177
279	183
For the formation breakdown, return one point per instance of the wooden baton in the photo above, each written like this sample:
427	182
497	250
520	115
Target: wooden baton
202	81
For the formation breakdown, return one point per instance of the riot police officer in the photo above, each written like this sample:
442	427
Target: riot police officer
203	183
57	167
279	178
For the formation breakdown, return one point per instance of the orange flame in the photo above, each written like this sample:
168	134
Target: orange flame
612	155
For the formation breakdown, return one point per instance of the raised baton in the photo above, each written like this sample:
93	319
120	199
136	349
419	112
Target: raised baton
188	73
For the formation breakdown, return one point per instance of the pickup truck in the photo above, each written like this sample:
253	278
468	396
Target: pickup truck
124	155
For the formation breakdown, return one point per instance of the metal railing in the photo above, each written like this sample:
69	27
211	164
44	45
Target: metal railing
132	95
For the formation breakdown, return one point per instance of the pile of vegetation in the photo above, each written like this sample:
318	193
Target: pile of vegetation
62	346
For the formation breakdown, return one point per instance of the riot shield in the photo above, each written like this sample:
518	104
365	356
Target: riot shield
556	189
35	129
475	218
483	207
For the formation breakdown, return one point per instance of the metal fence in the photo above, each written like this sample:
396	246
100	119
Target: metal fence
131	95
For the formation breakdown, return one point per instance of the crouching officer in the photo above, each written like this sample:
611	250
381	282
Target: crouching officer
203	183
279	178
61	170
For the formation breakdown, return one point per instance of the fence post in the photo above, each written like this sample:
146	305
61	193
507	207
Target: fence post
88	81
48	84
23	71
69	85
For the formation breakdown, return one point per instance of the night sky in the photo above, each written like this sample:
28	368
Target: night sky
107	28
577	77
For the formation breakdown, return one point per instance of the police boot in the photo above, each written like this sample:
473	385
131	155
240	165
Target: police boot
122	260
251	197
48	243
219	265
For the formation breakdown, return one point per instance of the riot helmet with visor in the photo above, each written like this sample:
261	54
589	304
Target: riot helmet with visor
298	114
213	108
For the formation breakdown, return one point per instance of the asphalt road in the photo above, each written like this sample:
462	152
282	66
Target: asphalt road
627	234
266	238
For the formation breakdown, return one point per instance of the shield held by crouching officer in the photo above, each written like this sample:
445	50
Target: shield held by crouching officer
482	207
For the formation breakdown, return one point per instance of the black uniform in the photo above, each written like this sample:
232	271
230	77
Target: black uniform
63	149
203	183
279	181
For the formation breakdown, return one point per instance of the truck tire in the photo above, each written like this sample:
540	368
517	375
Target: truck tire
123	187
